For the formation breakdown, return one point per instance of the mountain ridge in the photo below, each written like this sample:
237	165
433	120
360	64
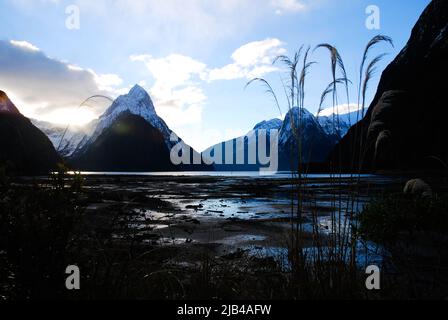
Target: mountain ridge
24	148
404	127
6	104
317	142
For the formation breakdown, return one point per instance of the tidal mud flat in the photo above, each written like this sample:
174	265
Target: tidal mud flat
227	214
187	237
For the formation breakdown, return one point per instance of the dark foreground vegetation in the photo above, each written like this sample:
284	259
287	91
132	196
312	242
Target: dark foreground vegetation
413	230
44	227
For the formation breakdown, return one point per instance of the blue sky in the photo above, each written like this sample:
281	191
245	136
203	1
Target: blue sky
193	56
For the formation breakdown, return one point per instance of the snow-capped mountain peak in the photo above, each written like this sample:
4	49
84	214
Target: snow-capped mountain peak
298	117
137	102
269	125
6	105
138	93
302	112
339	124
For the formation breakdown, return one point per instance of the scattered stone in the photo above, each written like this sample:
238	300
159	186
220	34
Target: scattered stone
195	207
215	211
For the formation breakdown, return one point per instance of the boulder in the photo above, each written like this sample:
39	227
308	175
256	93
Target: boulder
418	187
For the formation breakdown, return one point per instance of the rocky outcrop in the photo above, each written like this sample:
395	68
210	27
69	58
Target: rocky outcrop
418	187
405	126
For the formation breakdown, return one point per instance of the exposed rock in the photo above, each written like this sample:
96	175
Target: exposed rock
383	112
418	187
384	149
410	103
6	105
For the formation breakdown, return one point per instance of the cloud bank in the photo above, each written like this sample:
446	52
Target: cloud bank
43	85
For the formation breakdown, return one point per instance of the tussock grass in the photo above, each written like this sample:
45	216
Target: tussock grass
334	260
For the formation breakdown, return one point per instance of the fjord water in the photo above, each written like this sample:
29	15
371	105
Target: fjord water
241	174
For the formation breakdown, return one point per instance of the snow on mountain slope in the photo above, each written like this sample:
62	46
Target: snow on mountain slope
137	102
298	117
274	124
315	143
74	138
339	124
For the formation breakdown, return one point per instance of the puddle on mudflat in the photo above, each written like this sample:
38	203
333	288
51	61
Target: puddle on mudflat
239	239
218	204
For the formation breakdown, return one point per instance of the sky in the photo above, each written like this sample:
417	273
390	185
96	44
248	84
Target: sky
194	57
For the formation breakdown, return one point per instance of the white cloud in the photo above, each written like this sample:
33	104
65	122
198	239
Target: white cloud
25	45
258	52
286	6
177	91
250	60
107	82
339	109
178	97
41	86
174	70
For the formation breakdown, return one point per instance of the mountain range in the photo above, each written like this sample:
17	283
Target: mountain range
319	136
130	136
403	129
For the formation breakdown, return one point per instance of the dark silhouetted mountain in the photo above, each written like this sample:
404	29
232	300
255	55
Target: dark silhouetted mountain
23	146
316	144
405	126
240	149
338	124
6	104
130	144
130	136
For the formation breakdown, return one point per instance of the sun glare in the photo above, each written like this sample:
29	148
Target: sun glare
75	116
